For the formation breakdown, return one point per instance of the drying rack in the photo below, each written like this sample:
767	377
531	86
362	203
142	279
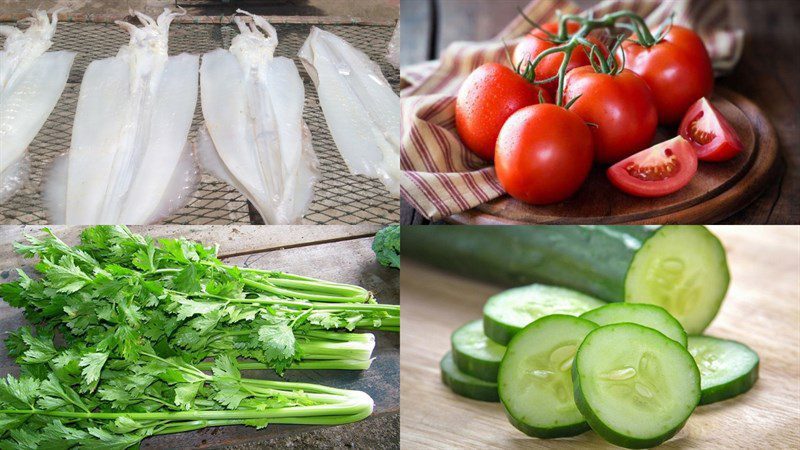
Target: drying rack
339	197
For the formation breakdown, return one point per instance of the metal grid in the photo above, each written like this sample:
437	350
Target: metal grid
339	197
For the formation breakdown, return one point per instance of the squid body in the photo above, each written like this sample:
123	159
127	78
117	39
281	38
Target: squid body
31	82
254	136
129	161
361	109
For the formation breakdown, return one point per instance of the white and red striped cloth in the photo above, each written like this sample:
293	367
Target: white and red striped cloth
440	176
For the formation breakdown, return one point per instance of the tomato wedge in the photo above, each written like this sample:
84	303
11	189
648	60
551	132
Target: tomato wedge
713	138
657	171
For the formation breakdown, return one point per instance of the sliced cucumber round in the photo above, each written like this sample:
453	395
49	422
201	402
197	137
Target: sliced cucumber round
727	368
635	386
682	269
506	313
650	316
466	385
535	382
474	353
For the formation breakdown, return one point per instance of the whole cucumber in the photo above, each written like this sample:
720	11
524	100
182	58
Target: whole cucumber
681	268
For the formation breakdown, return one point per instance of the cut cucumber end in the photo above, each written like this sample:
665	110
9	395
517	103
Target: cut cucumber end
651	316
535	383
682	269
727	368
635	386
474	353
508	312
466	385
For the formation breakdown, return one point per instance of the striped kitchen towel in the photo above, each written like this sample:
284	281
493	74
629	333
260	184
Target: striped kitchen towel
440	176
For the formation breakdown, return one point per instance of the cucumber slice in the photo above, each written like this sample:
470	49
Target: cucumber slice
474	353
635	386
727	368
650	316
682	269
508	312
466	385
535	382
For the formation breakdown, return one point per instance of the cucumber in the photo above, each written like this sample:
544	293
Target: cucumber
650	316
535	382
466	385
635	387
727	368
681	268
508	312
474	353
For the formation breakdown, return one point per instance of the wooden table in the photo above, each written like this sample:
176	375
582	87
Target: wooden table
762	309
768	74
337	253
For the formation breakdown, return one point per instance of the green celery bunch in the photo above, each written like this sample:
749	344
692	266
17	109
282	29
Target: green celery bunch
118	290
76	397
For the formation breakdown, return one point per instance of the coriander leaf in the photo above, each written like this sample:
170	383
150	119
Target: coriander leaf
19	393
92	364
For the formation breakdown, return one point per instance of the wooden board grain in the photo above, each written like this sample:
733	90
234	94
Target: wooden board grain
341	254
717	191
762	309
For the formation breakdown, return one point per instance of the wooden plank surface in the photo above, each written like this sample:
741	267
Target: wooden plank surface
767	74
340	254
762	309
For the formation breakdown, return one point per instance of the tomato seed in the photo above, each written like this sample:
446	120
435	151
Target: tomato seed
698	135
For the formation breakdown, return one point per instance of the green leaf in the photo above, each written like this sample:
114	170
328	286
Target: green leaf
229	395
225	367
40	348
106	440
144	259
187	280
189	308
19	393
185	394
258	423
65	276
279	341
92	364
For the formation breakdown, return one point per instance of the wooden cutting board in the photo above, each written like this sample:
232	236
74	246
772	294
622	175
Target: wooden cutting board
337	253
717	190
762	309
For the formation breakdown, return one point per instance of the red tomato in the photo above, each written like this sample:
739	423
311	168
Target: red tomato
660	170
488	96
677	69
620	105
544	154
536	42
712	137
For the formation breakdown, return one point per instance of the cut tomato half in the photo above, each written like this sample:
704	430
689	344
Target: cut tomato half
713	138
657	171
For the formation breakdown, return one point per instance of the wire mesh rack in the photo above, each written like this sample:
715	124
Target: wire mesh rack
339	197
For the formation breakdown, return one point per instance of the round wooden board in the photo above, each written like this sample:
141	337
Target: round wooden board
717	191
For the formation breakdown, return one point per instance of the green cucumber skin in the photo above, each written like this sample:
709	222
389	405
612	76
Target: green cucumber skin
590	259
479	368
484	370
482	391
730	389
548	433
498	331
607	433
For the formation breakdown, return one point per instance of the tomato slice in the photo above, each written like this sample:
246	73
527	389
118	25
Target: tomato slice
657	171
713	138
